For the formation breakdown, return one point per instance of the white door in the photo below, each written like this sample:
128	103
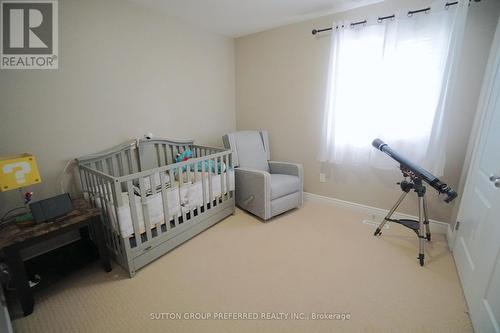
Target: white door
477	247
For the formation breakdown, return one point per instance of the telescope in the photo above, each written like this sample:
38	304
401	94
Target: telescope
417	176
416	171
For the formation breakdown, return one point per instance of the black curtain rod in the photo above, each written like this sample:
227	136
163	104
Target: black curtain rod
382	18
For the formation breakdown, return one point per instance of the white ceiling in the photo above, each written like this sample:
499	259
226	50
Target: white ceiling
237	18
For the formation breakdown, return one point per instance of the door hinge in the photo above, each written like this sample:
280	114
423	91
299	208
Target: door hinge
457	225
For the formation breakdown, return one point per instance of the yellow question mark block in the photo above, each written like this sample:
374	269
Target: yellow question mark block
18	171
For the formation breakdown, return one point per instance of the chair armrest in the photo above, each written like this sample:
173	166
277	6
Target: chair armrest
285	168
253	191
291	169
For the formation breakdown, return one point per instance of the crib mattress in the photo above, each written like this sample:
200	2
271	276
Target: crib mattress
179	201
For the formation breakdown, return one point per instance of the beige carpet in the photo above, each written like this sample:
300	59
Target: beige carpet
318	259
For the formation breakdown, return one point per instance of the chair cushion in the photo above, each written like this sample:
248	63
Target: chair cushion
283	184
251	151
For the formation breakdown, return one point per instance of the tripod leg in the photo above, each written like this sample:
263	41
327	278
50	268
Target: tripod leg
426	221
388	216
421	236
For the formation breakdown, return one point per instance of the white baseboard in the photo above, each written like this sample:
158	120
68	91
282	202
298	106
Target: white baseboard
450	236
438	227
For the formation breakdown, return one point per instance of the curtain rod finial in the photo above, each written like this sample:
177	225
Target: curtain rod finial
314	32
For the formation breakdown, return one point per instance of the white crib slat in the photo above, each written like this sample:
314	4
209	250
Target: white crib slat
115	161
112	170
112	167
86	180
145	206
196	176
101	165
116	191
165	154
114	228
119	158
118	202
181	183
105	188
96	184
221	175
133	213
155	191
228	184
131	167
106	209
226	176
166	212
189	181
105	166
171	175
216	161
156	148
111	226
101	197
194	171
210	187
93	190
80	174
116	165
203	185
161	151
134	155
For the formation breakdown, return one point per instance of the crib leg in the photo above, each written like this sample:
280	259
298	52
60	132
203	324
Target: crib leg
130	265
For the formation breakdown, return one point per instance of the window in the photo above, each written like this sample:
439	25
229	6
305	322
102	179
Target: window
390	80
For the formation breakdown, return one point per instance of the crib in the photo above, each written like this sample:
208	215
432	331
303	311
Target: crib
151	202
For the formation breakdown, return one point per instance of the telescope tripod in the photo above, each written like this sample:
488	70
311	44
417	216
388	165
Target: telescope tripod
421	227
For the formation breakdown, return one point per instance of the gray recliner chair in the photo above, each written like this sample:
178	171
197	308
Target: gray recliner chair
264	188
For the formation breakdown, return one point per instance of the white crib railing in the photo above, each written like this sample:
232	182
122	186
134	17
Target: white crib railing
154	199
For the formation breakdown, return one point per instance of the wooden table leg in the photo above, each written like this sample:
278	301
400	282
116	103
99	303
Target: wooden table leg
19	279
101	244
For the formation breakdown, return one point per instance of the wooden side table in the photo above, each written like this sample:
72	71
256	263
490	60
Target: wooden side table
13	239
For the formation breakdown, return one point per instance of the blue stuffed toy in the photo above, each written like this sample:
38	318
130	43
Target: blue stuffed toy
187	154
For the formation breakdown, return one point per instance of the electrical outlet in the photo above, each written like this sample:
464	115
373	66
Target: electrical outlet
322	178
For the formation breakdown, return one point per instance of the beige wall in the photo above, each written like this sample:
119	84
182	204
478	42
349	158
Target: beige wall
124	71
280	80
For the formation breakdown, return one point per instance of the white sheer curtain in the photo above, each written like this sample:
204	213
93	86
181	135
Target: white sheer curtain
391	80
